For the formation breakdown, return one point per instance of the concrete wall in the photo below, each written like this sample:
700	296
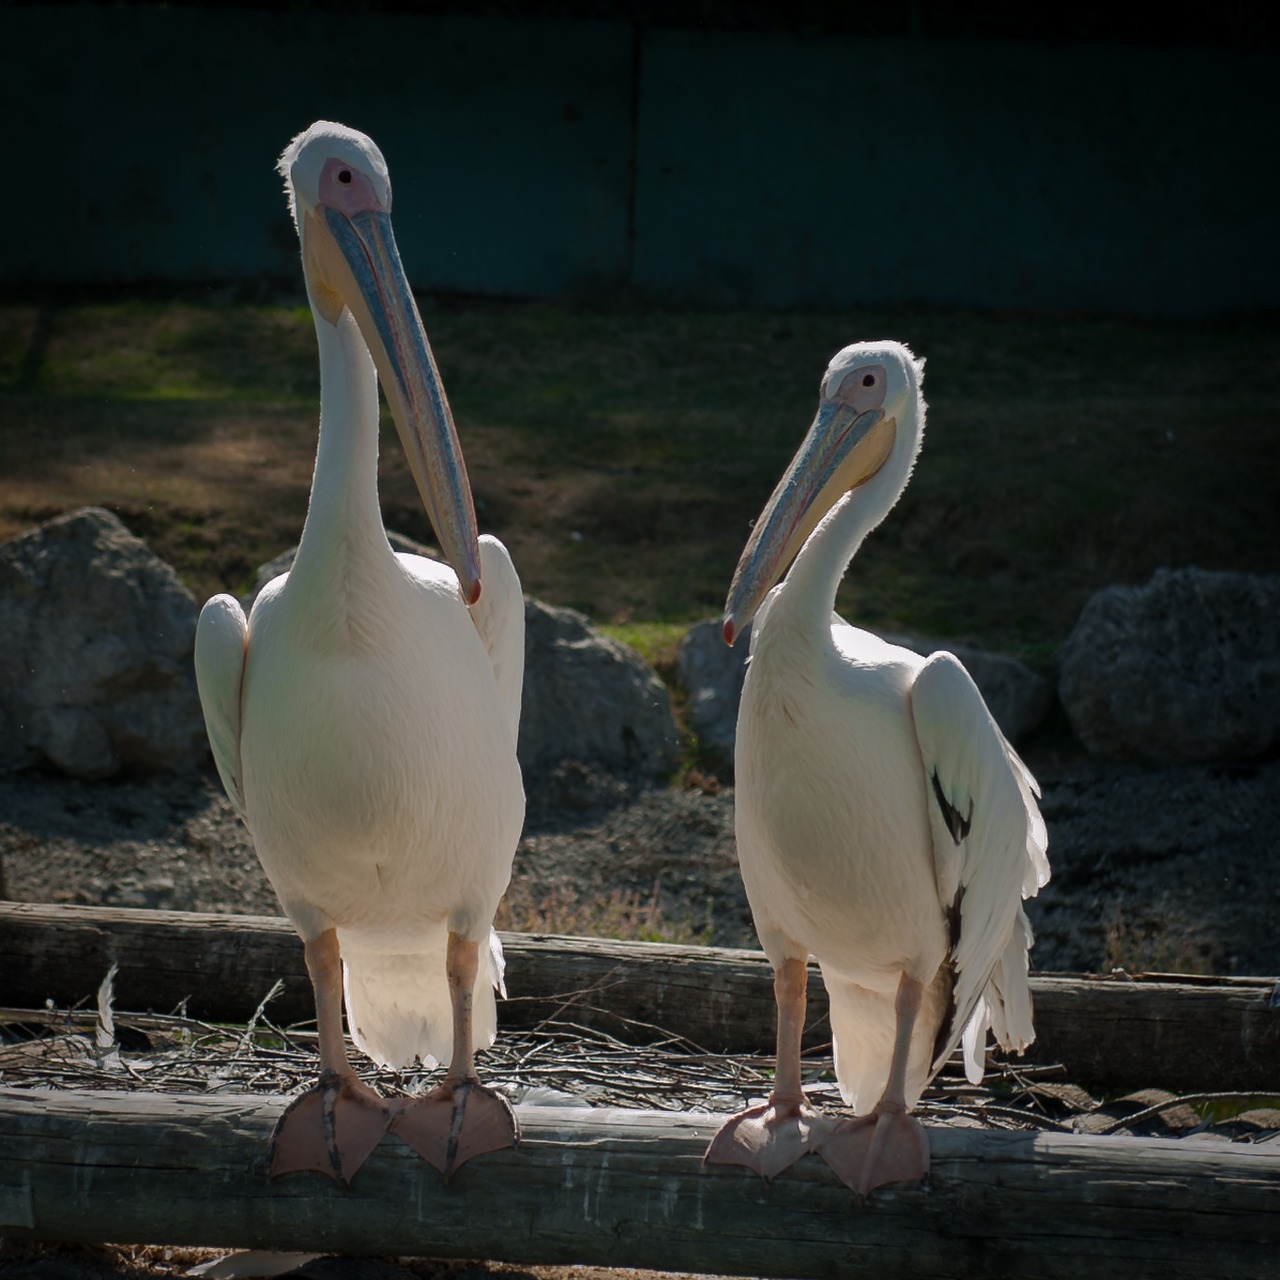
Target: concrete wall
543	158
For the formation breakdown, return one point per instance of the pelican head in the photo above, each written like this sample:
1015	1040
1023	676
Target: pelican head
869	411
340	198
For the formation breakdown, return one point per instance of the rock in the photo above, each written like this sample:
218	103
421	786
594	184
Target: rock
1183	669
95	672
590	700
712	675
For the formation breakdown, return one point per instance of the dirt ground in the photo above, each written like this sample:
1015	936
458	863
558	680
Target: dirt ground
1161	870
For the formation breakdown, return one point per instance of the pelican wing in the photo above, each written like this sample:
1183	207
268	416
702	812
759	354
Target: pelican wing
222	641
989	845
499	618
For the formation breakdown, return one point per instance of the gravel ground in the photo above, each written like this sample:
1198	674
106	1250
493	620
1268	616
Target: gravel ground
1174	869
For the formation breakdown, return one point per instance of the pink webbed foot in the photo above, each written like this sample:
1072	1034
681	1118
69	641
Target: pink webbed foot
871	1151
769	1138
331	1129
455	1123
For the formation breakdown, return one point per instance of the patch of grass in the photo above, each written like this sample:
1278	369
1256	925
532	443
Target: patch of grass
1155	940
623	914
623	453
655	642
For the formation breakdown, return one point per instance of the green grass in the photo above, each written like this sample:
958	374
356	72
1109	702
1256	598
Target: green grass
622	453
655	642
624	914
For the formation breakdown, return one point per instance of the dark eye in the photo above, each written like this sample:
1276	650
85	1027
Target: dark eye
344	175
868	379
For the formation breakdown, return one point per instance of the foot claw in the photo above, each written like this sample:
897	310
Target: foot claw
332	1129
455	1123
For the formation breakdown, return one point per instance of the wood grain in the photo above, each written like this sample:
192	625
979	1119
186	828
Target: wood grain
616	1188
1174	1033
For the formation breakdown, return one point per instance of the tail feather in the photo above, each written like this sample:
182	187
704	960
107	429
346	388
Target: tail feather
863	1029
1004	1008
1011	1021
398	1006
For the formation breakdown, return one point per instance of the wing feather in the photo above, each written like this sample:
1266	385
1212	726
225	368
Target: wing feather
499	619
222	641
990	845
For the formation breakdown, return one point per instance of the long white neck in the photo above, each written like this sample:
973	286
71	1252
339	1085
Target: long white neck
344	521
809	593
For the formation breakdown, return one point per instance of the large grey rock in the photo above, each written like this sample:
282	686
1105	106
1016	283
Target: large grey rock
1183	669
712	675
590	700
95	668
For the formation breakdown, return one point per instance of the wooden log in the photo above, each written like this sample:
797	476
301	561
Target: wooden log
619	1188
1175	1033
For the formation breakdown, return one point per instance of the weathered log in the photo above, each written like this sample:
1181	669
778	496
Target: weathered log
623	1188
1174	1033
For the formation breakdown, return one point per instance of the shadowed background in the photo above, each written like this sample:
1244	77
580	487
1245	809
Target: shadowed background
638	232
713	154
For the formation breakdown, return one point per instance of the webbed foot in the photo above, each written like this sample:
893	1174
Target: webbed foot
870	1151
331	1129
455	1123
768	1138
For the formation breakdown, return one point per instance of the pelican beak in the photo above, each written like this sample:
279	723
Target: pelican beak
355	263
843	449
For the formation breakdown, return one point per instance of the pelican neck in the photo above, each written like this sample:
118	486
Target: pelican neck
809	591
344	518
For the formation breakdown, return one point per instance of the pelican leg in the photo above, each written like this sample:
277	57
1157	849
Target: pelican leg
772	1137
461	1118
334	1126
888	1144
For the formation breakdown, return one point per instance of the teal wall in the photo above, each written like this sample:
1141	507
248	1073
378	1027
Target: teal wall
545	158
782	170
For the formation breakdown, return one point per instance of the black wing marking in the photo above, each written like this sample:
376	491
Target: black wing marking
958	826
954	914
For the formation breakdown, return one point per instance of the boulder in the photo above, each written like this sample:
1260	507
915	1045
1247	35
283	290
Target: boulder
95	671
1184	669
590	700
712	675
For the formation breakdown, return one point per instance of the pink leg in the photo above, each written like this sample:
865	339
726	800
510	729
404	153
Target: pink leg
460	1118
772	1137
334	1126
887	1145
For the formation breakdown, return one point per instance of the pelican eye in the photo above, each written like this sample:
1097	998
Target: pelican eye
344	176
869	380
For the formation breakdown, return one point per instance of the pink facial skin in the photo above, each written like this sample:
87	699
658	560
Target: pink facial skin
346	189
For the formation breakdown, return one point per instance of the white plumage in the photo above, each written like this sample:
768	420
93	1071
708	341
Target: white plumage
364	717
884	825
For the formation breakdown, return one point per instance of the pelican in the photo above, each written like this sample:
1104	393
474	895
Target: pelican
363	718
884	825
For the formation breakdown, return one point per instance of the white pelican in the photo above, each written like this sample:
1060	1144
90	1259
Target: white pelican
364	717
884	825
